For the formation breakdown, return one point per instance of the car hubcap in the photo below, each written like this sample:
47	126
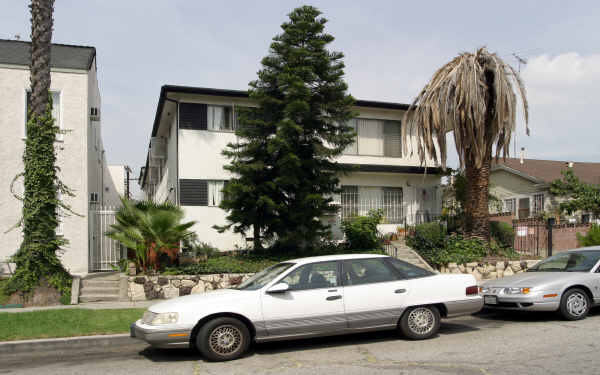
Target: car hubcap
577	304
225	339
421	320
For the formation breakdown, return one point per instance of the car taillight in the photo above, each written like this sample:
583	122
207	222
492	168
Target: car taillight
471	290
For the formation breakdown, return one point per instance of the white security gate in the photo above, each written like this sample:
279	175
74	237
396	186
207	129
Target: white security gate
104	251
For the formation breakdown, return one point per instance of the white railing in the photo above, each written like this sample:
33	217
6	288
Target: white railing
104	252
358	201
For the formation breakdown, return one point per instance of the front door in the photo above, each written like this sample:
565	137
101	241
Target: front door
313	304
374	295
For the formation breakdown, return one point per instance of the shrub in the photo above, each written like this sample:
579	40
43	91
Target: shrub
464	250
428	240
361	231
502	233
592	238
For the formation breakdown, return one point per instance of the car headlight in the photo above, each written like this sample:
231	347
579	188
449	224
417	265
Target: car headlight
517	290
152	318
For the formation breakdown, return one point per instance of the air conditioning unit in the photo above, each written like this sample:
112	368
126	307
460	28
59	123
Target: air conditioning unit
94	114
158	148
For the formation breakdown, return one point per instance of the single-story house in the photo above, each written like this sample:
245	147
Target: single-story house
523	184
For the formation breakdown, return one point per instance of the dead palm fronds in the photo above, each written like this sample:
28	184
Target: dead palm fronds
472	96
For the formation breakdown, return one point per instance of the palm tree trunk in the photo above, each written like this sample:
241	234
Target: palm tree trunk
41	37
256	239
477	210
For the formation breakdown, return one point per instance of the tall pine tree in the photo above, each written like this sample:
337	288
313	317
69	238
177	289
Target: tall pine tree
284	160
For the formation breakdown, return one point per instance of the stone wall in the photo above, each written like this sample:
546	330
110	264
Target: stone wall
490	270
142	288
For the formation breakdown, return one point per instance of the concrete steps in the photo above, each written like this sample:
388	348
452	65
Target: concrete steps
100	287
405	253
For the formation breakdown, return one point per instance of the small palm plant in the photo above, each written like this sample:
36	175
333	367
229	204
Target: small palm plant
150	229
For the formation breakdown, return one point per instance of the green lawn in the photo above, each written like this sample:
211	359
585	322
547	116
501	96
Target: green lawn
65	323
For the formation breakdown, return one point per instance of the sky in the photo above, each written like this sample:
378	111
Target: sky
391	49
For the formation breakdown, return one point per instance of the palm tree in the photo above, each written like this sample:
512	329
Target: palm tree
472	96
150	229
41	39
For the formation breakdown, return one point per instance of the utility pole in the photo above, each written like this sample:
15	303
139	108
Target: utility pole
520	60
127	179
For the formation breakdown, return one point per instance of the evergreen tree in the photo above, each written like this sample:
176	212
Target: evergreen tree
284	160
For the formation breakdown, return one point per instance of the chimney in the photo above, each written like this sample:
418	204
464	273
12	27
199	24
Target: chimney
522	155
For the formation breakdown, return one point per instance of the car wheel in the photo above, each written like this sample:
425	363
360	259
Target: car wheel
574	304
223	339
420	322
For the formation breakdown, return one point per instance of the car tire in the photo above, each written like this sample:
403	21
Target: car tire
574	304
223	339
420	322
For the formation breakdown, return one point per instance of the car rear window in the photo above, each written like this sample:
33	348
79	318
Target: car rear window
407	270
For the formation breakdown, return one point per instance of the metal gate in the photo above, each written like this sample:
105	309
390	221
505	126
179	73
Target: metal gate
531	237
104	252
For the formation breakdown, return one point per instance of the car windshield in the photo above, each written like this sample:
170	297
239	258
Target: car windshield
264	277
572	261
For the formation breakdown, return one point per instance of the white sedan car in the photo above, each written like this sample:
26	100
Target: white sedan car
317	296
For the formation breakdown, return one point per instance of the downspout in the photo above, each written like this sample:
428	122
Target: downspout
176	148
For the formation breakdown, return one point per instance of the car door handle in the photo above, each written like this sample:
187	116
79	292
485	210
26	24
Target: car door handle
333	298
398	291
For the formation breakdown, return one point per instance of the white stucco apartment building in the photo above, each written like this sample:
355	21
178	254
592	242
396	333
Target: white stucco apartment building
193	125
80	152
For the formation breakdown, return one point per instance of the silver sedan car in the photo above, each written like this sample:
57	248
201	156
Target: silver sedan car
568	282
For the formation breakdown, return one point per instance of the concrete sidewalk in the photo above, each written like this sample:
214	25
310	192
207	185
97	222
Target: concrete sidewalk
87	305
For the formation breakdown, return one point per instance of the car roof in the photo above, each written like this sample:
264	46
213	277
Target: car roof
589	248
325	258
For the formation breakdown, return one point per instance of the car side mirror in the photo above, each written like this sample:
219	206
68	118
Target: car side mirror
279	288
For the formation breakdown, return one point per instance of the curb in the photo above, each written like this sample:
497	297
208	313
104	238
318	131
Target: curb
78	342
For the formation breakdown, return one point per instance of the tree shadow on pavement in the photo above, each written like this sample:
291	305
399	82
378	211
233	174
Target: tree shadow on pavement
170	355
515	316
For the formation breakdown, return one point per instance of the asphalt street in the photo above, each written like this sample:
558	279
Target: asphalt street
488	343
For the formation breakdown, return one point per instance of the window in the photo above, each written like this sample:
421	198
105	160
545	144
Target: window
215	192
349	201
538	203
524	208
220	118
407	270
192	116
366	271
376	138
359	200
55	113
313	276
510	205
195	192
392	137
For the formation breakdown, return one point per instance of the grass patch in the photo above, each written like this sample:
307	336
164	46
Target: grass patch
3	296
65	323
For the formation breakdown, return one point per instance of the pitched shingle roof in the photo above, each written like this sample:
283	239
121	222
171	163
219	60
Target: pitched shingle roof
15	52
550	170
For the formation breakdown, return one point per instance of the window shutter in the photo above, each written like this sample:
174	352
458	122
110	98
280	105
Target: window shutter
392	139
192	116
193	192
